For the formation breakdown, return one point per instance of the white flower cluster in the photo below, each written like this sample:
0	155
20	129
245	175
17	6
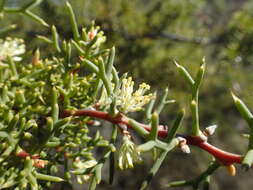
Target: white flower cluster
82	165
126	99
131	101
128	154
12	48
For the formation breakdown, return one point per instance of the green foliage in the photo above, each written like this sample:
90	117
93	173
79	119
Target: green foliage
48	106
32	97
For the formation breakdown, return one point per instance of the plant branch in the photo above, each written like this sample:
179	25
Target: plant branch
225	158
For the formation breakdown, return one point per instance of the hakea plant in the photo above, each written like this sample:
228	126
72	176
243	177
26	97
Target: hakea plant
47	108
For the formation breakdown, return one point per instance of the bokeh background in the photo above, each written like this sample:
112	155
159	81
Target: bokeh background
148	36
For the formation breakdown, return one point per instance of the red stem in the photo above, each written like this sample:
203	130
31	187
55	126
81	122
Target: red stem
226	158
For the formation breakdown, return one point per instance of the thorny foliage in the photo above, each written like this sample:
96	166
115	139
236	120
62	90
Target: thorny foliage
49	105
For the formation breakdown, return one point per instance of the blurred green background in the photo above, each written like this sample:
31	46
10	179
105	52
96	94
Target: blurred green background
149	35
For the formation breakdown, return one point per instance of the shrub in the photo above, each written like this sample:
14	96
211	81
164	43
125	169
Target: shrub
50	109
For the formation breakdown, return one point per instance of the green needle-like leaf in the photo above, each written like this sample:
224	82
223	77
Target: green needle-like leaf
176	125
73	22
154	126
243	109
185	74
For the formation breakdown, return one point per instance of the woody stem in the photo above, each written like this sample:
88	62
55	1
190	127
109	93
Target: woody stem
226	158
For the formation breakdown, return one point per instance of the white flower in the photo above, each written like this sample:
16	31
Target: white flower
128	154
210	130
182	144
81	179
130	101
186	149
12	47
80	166
126	99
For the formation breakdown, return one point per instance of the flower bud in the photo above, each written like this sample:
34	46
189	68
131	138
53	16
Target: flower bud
36	58
128	154
231	169
210	130
186	149
182	145
92	34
